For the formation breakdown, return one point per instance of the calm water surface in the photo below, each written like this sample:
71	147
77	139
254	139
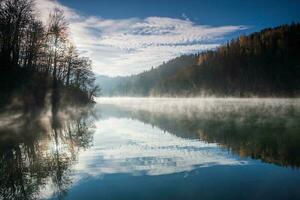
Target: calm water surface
135	148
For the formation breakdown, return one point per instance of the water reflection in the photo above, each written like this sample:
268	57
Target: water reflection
266	129
130	146
176	144
37	150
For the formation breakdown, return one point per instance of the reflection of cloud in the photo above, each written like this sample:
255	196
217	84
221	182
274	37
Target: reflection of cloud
134	147
125	46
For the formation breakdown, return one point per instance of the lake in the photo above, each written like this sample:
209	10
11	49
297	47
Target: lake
154	148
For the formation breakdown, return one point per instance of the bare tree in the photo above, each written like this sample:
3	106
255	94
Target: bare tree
57	35
15	15
33	44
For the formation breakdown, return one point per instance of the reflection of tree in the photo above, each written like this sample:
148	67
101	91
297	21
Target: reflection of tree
271	134
36	153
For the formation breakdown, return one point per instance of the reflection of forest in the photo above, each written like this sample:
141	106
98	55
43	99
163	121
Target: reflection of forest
36	152
269	133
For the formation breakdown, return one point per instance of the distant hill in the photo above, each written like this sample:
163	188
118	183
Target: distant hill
143	83
265	63
110	85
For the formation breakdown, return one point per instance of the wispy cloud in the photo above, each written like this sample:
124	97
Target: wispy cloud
184	16
129	46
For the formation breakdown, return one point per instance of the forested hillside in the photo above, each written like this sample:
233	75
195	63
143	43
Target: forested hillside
38	59
142	84
265	63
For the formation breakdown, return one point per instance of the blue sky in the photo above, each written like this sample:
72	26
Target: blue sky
257	13
125	37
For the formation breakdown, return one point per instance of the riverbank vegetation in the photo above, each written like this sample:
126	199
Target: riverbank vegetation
39	62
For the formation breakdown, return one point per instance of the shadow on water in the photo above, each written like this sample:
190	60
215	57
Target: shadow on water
38	148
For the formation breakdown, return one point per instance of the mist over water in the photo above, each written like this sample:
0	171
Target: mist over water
139	148
207	108
193	107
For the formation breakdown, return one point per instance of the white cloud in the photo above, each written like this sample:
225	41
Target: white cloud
127	46
184	16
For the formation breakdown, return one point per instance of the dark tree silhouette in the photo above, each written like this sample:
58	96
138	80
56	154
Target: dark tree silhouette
40	57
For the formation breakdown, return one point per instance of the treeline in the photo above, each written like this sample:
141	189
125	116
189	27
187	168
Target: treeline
34	53
265	63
